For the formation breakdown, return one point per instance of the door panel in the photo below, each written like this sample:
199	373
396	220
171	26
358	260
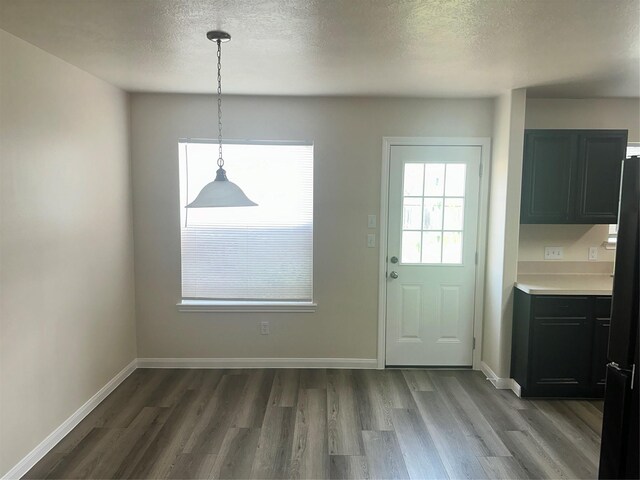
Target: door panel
433	223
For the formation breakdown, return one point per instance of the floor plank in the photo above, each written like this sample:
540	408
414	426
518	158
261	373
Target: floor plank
193	466
420	454
506	468
345	467
344	427
284	391
237	452
533	459
470	418
309	456
254	399
384	455
273	453
374	406
454	448
418	380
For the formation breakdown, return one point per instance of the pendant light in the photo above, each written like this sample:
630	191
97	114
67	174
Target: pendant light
221	192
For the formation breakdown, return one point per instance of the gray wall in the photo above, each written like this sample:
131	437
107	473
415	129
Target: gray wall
347	134
504	221
67	322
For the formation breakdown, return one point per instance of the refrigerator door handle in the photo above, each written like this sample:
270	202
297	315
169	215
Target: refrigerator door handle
615	366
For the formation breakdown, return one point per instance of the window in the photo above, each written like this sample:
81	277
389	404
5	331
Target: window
433	213
248	255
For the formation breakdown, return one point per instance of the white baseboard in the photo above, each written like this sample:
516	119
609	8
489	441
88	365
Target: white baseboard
499	382
257	363
33	457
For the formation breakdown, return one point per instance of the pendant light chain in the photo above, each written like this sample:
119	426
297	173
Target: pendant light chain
220	192
220	160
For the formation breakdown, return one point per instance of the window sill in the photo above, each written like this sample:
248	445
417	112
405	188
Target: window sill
196	306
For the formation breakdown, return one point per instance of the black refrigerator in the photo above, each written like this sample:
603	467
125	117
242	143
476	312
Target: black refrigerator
619	449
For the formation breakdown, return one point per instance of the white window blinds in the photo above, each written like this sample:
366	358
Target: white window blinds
249	253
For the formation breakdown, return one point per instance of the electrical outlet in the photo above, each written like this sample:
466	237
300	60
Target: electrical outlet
371	240
553	253
264	328
593	253
371	221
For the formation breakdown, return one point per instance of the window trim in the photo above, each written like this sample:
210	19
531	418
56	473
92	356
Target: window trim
242	306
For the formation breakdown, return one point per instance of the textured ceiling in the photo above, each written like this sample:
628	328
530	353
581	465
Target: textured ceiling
571	48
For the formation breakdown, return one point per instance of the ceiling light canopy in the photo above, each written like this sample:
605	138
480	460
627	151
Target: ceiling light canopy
221	192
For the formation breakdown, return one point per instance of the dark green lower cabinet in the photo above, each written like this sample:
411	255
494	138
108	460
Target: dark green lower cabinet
559	345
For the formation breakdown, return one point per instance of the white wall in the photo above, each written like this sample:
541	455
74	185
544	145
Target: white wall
504	220
347	134
67	321
589	113
575	240
599	113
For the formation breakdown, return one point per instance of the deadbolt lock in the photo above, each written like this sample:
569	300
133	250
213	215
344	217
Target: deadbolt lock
394	259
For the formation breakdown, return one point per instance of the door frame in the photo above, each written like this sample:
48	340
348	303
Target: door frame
481	243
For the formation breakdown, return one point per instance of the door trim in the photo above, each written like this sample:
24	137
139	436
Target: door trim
483	213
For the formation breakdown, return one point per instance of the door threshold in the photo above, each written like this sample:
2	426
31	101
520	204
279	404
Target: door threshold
430	367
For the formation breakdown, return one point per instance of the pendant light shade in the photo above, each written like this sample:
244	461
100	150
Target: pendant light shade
221	192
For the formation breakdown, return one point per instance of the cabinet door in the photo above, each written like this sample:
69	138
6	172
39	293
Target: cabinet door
561	348
599	170
601	323
549	161
561	362
600	344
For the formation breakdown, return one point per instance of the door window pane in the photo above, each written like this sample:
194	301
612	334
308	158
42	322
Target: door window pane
453	214
413	178
412	213
431	247
432	214
456	173
452	247
411	245
434	179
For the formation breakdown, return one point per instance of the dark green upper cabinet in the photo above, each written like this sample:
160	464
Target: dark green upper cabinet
549	163
599	171
572	176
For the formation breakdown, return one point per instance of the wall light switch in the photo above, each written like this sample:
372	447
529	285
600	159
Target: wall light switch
371	240
593	253
264	328
371	221
553	253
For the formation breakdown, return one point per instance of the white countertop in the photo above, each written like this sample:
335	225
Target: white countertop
565	284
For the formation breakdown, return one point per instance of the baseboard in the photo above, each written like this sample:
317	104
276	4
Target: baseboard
257	363
517	389
496	381
33	457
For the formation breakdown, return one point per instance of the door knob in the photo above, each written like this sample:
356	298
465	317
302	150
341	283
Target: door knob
393	275
394	259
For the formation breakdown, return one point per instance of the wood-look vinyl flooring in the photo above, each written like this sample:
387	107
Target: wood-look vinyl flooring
337	424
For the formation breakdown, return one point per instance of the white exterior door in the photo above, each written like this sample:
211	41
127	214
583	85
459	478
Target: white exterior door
431	254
